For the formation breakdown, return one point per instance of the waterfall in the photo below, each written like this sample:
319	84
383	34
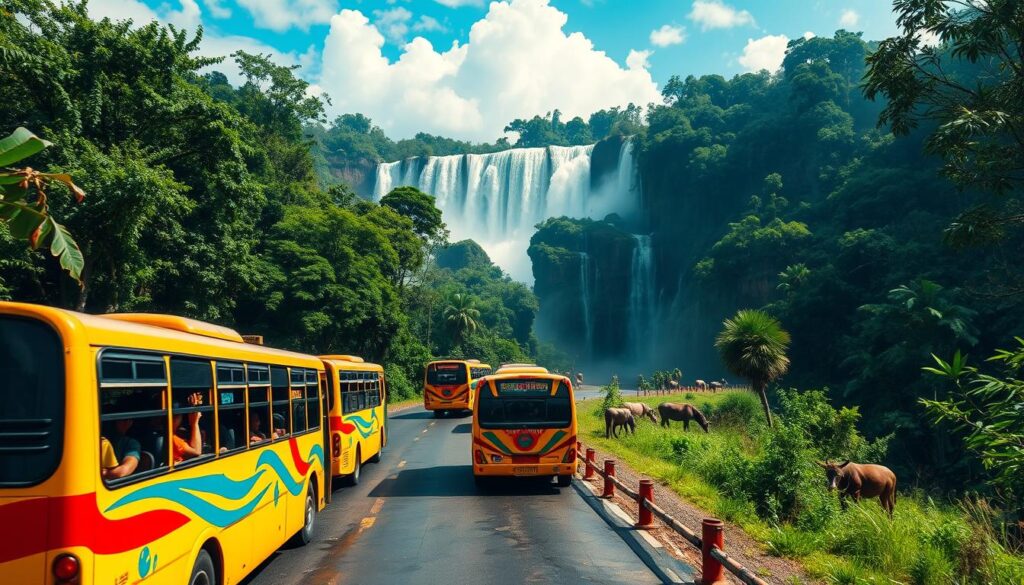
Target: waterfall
588	326
498	198
641	297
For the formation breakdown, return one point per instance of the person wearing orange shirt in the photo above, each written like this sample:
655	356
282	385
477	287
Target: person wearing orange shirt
182	449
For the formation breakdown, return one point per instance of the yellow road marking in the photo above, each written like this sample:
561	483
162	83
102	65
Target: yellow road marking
377	506
401	464
416	439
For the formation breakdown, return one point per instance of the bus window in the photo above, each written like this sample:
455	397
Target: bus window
525	404
31	401
230	407
312	399
447	374
191	409
133	415
280	422
259	404
374	393
298	397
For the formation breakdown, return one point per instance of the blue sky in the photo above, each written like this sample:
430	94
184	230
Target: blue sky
464	68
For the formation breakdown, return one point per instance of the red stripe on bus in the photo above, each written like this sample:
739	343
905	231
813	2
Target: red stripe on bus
300	465
337	424
77	521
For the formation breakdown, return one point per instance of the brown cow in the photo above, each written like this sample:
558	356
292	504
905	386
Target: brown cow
640	410
862	480
685	412
618	417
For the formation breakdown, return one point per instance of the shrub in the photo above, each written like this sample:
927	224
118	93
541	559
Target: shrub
399	386
741	410
612	396
833	432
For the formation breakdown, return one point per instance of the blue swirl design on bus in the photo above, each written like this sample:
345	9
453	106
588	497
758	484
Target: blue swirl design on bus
363	425
193	493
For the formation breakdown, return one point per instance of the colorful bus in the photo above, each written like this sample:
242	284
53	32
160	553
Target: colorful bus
151	447
447	383
524	424
357	406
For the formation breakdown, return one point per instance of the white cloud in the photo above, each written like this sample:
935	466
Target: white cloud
217	10
638	59
458	3
849	18
809	35
132	10
715	14
281	15
427	24
766	52
506	70
393	23
668	35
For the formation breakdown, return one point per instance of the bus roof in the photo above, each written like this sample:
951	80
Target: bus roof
351	363
473	362
524	369
153	332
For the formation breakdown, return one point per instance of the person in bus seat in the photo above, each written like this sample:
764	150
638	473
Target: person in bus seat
280	425
126	448
193	447
109	466
255	434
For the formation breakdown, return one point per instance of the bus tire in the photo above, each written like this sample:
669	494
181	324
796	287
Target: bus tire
564	480
305	534
376	456
203	571
352	479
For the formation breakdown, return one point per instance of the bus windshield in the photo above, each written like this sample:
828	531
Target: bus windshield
525	404
31	401
451	373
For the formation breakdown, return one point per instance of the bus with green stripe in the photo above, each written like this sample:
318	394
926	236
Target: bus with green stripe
524	425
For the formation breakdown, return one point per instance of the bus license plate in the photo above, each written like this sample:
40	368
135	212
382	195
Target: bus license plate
525	470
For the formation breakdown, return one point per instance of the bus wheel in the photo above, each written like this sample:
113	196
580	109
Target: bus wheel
564	480
305	534
376	456
353	478
203	572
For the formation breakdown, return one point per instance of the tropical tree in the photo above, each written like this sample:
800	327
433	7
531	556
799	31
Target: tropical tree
462	316
24	204
677	375
793	277
753	345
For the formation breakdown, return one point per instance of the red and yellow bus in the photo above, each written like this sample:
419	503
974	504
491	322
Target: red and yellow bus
524	424
357	408
151	447
447	383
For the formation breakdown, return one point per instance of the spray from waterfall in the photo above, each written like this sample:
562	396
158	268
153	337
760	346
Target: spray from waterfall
588	325
641	297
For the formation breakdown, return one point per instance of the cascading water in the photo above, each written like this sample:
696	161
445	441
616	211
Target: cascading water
641	297
588	325
496	199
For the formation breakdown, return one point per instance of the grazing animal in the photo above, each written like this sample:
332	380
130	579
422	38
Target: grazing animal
702	385
618	417
715	386
670	411
673	384
579	378
640	410
858	480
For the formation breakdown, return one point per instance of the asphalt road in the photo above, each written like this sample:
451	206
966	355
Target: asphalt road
418	518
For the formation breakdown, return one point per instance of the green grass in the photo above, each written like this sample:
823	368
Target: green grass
926	543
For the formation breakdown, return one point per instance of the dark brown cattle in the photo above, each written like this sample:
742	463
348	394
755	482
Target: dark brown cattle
685	412
859	480
615	418
640	410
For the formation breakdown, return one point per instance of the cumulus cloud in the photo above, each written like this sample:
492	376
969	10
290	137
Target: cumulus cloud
668	35
216	9
638	59
393	23
766	52
849	18
711	14
428	24
518	62
809	35
281	15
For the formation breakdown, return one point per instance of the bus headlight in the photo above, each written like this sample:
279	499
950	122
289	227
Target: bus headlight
496	459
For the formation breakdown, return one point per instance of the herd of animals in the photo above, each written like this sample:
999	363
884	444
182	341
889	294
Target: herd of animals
854	480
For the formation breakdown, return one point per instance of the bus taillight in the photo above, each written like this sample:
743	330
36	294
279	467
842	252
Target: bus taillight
480	457
66	568
570	455
336	446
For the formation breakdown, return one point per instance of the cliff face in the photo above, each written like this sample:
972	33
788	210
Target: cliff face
360	174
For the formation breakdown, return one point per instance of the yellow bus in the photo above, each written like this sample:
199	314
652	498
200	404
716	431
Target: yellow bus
524	424
151	447
357	406
447	383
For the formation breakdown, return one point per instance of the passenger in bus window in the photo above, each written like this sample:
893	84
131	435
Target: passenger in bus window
280	425
126	448
180	448
255	434
109	467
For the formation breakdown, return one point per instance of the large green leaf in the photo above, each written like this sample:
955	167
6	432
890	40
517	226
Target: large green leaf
19	145
22	220
63	247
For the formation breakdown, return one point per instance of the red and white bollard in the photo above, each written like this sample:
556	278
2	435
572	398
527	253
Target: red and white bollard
712	535
609	473
646	493
588	472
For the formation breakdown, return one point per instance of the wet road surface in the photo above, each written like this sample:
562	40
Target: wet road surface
418	518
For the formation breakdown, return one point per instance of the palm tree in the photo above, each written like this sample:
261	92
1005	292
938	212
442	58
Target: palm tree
753	345
793	277
461	316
